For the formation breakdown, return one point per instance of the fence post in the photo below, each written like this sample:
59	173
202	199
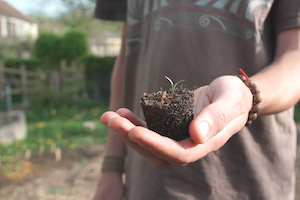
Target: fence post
39	77
75	82
62	74
84	89
8	100
23	74
2	78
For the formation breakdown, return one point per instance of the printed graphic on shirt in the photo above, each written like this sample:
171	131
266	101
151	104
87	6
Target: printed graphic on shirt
241	18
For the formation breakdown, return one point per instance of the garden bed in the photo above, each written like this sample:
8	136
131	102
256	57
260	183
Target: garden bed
12	127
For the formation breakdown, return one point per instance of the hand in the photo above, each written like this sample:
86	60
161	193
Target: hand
221	110
110	187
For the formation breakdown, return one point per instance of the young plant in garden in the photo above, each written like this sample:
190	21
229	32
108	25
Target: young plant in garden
173	86
169	116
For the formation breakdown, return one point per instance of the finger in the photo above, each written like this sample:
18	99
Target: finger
201	99
124	112
176	153
105	117
121	126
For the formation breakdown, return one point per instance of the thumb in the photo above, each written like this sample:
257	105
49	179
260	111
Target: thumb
211	120
230	102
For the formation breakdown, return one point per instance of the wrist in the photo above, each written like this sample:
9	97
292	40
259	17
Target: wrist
112	164
256	97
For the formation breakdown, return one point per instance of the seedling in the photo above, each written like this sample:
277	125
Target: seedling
173	85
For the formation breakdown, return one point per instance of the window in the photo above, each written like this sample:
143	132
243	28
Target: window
11	30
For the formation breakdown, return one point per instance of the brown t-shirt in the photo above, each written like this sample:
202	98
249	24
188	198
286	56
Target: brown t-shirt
200	40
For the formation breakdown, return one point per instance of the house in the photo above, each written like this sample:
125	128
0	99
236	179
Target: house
14	25
106	44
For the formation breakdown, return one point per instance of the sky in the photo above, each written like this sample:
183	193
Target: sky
48	7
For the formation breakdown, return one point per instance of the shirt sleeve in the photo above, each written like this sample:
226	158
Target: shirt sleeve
286	14
114	10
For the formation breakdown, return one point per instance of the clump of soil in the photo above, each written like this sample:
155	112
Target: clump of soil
169	115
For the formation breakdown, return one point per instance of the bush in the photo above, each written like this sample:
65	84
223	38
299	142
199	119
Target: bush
73	45
30	64
98	72
51	48
47	47
8	48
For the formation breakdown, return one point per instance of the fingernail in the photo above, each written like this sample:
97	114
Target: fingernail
203	128
140	142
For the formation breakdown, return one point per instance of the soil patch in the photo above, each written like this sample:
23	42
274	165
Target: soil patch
74	177
168	113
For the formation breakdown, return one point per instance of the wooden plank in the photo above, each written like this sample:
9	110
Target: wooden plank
34	90
32	74
12	71
83	79
13	81
34	82
23	72
70	80
62	69
2	76
70	70
16	91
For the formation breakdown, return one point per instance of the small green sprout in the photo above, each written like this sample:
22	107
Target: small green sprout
173	85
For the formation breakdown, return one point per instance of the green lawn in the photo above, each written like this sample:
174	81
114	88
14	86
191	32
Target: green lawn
62	125
59	126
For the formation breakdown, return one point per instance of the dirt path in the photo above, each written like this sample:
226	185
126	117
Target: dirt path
74	178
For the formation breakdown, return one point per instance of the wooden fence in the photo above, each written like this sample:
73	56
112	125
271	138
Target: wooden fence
25	82
73	75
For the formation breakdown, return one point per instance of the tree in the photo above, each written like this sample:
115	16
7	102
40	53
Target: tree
73	45
47	48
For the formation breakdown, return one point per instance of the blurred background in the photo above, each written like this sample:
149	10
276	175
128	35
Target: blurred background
55	67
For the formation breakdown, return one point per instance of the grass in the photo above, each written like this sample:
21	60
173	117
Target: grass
61	123
60	126
297	114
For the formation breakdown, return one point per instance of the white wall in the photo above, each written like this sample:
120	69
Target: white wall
23	29
111	47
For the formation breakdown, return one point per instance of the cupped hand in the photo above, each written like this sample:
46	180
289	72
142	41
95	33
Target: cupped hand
221	110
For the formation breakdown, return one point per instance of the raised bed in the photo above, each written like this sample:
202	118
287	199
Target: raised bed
12	126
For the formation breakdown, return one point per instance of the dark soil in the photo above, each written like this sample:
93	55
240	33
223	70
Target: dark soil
169	116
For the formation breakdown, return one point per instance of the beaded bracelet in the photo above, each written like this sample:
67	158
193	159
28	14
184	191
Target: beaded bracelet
257	97
113	164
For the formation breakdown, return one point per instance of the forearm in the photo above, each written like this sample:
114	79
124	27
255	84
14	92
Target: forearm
279	83
115	145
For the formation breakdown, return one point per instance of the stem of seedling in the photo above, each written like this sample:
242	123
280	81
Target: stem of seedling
173	85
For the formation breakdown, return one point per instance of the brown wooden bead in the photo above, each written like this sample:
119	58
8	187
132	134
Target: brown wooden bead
252	116
249	122
242	77
257	98
256	108
249	83
254	89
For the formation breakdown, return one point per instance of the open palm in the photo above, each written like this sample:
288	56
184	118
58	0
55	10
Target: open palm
221	110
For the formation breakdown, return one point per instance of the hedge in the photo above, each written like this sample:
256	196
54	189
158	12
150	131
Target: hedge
51	48
30	63
98	72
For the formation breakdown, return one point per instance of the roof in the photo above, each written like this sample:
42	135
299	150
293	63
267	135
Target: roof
8	10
